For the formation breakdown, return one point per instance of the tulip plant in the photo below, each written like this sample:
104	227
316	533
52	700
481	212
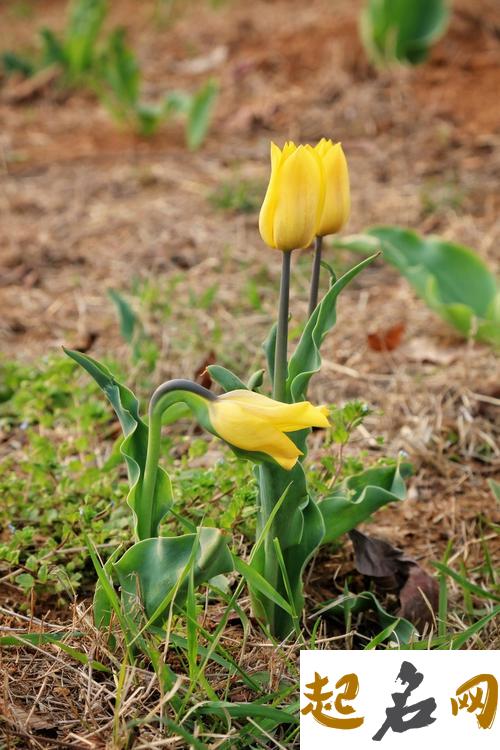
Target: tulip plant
307	198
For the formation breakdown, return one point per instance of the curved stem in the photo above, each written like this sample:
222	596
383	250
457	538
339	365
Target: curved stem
280	358
165	396
316	270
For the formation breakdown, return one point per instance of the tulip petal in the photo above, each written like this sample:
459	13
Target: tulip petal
256	423
285	417
337	204
240	427
299	190
268	206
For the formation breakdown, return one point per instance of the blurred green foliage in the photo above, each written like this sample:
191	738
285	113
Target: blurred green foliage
451	278
402	30
111	68
240	196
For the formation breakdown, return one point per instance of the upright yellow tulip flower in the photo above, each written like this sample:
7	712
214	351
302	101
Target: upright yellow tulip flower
337	203
293	204
256	423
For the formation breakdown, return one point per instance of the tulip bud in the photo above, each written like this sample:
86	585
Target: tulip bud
293	204
337	203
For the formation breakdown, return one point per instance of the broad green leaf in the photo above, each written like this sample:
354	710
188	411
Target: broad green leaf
353	604
402	30
452	279
133	447
156	565
227	380
200	114
306	359
356	498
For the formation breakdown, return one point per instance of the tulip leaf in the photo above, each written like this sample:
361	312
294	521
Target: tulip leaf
452	279
227	380
306	359
133	448
298	526
269	347
156	569
331	271
255	381
356	498
352	604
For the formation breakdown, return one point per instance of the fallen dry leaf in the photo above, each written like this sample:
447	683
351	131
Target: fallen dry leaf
386	341
394	571
419	597
376	558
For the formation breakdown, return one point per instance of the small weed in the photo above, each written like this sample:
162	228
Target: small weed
239	196
441	195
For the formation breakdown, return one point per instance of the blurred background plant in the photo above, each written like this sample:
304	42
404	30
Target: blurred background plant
110	68
451	279
402	31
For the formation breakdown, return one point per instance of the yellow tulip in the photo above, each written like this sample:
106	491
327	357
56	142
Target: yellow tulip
293	203
256	423
337	203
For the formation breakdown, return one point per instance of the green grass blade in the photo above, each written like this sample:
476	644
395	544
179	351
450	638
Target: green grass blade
466	585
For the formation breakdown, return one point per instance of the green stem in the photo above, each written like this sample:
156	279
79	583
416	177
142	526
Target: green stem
165	396
280	359
151	469
316	270
267	502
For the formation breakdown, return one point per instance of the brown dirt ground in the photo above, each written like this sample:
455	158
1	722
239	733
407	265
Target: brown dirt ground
84	206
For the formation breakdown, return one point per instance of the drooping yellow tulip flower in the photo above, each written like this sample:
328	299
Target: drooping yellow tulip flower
337	203
293	203
256	423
